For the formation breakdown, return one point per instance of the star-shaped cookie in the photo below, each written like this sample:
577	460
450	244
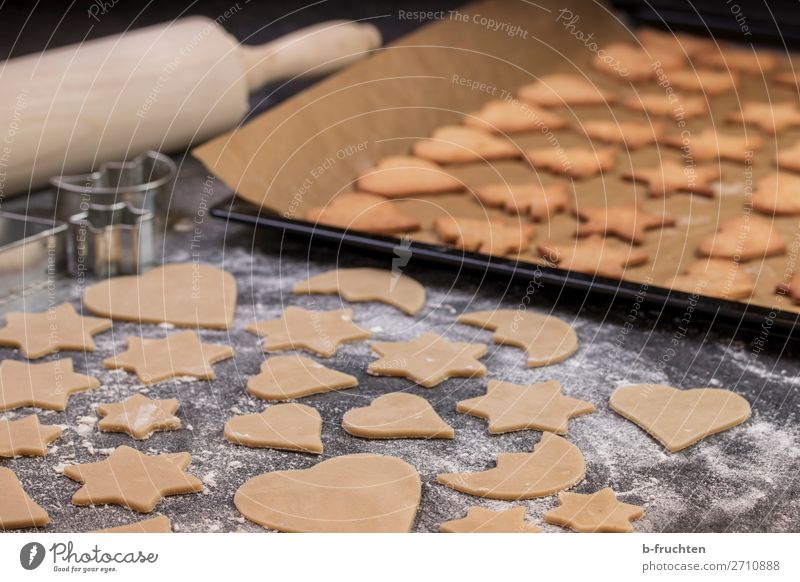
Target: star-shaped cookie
48	385
179	354
630	63
457	145
670	177
509	116
26	437
365	212
709	145
490	237
536	200
596	512
60	328
771	117
721	278
678	107
482	520
595	256
510	407
17	509
706	81
564	89
320	332
743	238
731	58
133	479
776	194
428	360
627	222
630	134
789	158
138	416
576	162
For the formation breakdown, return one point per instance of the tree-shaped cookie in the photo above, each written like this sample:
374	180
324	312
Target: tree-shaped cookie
490	237
720	278
17	509
291	427
554	464
627	222
320	332
528	198
47	385
710	83
594	256
576	162
564	90
547	339
57	329
771	117
132	479
397	415
594	513
364	212
632	135
287	377
670	177
744	238
26	437
456	145
428	360
482	520
399	176
510	116
709	145
139	416
179	354
778	194
510	407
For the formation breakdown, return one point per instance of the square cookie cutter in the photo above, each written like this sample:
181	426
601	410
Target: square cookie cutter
32	251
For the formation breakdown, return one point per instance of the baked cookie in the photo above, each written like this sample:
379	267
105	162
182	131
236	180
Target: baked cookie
511	116
364	212
778	194
532	199
744	238
679	107
746	60
399	176
709	145
791	287
789	79
628	62
660	41
771	117
490	237
709	82
789	158
564	89
628	133
576	162
458	145
670	177
594	256
720	278
627	222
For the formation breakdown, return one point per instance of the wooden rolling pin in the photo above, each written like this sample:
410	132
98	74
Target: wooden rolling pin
164	87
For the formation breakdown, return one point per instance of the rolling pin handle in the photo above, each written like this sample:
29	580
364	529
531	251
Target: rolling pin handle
314	50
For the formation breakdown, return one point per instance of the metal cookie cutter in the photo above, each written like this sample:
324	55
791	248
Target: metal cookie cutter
111	239
145	182
32	251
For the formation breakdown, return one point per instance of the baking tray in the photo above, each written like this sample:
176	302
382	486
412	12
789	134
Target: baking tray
732	315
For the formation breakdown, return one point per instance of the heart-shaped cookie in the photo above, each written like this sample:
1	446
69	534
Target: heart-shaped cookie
352	493
183	294
679	418
397	415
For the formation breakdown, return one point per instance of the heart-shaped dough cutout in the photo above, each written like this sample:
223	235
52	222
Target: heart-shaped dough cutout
352	493
679	418
395	416
291	427
183	294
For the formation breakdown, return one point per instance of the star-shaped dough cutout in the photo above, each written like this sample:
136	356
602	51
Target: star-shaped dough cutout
670	177
320	332
179	354
61	328
133	479
48	385
428	360
482	520
595	256
510	407
709	145
26	437
17	509
596	512
627	222
577	162
771	117
138	416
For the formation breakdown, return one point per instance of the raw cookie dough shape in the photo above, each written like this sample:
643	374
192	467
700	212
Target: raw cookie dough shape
627	222
290	427
554	464
532	199
399	176
158	524
458	145
546	339
353	494
139	416
287	377
179	354
771	117
132	479
395	289
397	415
26	437
564	89
720	278
507	116
743	239
61	328
482	520
594	255
363	212
183	294
428	360
576	162
778	194
17	510
672	177
510	407
679	418
594	513
320	332
48	385
490	237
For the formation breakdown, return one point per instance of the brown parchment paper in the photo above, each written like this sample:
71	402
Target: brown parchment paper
307	150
